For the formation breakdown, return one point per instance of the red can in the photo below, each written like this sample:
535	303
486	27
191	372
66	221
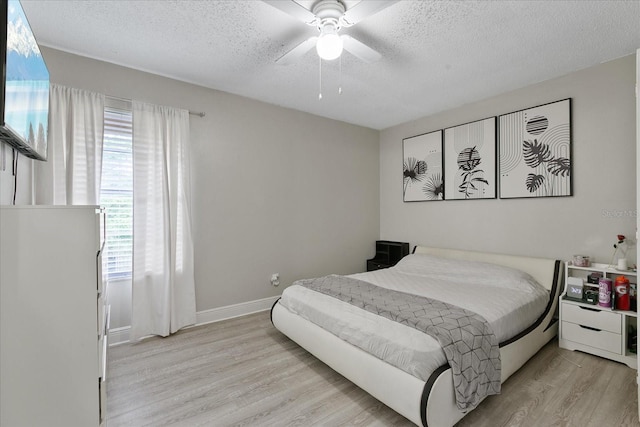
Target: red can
623	299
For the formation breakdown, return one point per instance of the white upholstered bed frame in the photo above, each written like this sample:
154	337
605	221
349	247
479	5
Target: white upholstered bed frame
430	403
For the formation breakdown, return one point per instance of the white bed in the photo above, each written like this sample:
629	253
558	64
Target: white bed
401	366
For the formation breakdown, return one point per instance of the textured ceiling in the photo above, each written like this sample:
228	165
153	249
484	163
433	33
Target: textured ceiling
436	55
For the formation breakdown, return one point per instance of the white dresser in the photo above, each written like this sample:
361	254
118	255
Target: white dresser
53	320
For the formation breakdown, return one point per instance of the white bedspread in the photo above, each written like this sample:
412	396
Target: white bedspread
510	300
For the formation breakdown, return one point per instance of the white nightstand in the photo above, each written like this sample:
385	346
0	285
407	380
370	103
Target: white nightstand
593	329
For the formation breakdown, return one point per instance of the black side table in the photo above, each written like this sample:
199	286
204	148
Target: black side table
388	254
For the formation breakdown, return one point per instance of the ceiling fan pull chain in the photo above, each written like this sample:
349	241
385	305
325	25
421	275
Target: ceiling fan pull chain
340	75
320	82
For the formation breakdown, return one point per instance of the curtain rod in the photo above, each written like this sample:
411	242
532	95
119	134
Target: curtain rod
117	98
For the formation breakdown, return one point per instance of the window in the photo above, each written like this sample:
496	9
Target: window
116	192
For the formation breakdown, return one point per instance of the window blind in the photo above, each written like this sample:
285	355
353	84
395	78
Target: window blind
116	192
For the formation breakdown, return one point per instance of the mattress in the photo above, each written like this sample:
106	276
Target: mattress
510	301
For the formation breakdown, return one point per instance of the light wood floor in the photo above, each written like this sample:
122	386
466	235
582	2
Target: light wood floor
243	372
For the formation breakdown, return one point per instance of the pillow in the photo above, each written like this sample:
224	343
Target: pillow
468	272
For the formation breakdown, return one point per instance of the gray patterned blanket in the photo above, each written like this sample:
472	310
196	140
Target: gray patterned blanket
468	342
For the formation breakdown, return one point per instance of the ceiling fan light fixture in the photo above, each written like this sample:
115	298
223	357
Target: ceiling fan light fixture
329	45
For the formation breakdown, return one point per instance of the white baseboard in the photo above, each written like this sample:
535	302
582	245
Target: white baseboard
121	335
235	310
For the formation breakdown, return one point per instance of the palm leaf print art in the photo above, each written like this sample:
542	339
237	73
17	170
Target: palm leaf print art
414	171
535	151
434	187
468	160
559	166
534	182
536	154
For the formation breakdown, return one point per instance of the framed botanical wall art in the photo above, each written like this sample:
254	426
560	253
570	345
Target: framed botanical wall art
535	151
422	163
470	160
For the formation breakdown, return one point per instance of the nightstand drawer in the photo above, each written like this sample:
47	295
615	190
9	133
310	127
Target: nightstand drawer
592	317
593	338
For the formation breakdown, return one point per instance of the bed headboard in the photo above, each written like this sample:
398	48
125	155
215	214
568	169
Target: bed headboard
545	271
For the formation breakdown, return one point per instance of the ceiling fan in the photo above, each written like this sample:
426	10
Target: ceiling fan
329	16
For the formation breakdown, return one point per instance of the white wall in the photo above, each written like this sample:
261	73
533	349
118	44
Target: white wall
7	181
274	190
604	201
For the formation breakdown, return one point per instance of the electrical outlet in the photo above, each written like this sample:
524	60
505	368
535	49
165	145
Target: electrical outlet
275	279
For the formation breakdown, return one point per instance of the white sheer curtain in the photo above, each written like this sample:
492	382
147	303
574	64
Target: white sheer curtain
163	298
71	175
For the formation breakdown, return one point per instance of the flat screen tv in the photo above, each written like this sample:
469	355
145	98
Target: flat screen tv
24	96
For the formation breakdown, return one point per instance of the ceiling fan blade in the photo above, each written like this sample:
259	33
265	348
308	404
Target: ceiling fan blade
359	49
292	8
296	53
364	9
